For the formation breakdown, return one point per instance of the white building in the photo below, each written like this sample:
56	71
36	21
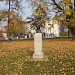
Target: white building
51	29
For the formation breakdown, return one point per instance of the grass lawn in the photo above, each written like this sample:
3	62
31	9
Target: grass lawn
15	58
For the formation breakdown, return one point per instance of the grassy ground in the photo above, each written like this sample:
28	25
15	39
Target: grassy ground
15	58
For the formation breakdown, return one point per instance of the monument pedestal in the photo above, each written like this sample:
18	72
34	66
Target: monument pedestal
38	46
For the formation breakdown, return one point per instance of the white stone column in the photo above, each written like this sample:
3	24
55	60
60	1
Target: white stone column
38	46
56	30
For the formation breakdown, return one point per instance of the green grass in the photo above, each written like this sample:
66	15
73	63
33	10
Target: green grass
17	61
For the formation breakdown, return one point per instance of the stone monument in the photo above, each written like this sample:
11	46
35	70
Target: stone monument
38	46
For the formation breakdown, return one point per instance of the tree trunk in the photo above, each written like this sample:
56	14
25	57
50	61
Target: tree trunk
8	20
68	32
74	5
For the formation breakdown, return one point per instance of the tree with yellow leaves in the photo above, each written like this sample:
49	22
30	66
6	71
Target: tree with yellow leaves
68	15
13	6
39	15
16	26
65	9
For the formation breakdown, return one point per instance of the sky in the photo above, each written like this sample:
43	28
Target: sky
27	10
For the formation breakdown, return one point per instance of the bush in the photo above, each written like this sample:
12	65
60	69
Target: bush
63	33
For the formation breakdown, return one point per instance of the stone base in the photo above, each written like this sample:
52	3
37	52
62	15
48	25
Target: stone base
38	56
45	58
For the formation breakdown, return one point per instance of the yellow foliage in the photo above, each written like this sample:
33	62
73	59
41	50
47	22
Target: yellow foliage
66	3
67	13
39	11
12	0
16	25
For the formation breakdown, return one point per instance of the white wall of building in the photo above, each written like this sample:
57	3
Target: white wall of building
52	30
56	29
